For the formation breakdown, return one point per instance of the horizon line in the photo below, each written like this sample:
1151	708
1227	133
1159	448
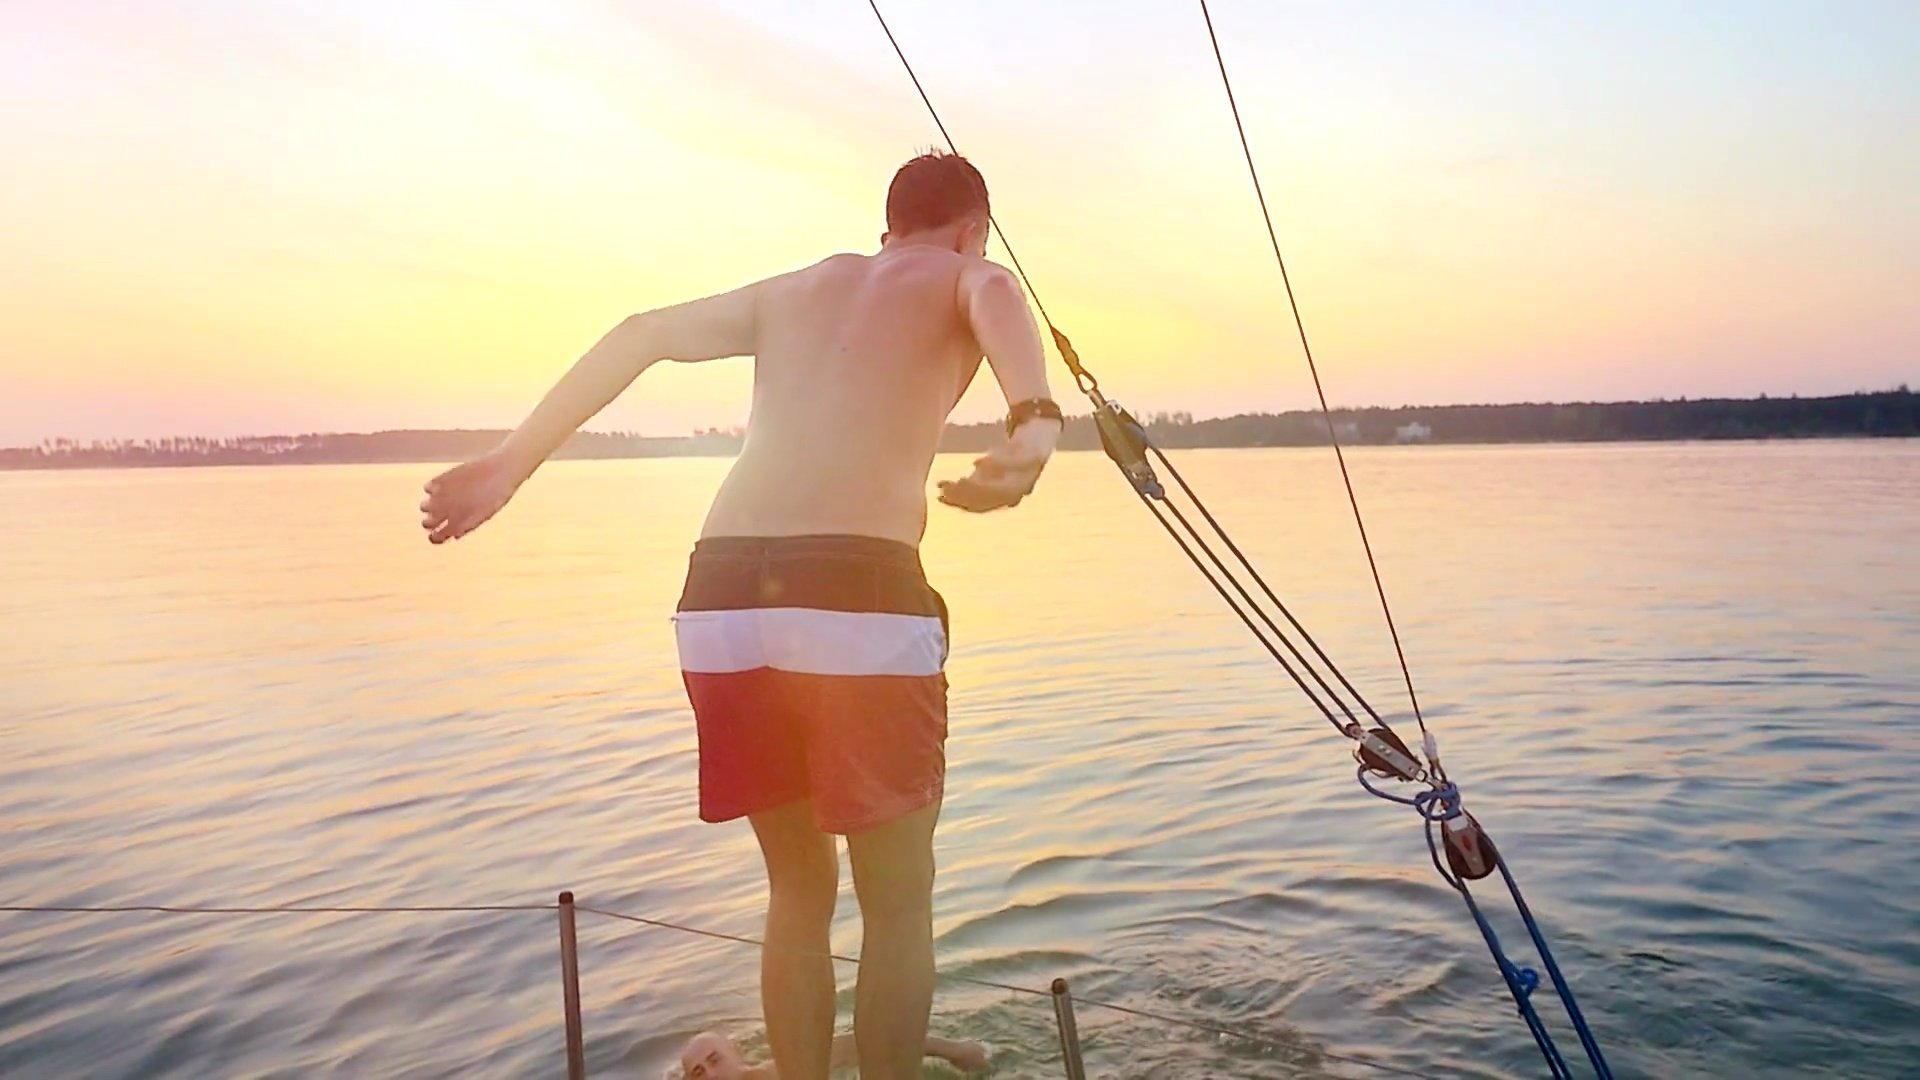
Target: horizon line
1901	388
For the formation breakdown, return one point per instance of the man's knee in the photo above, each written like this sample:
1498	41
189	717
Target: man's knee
803	865
893	869
896	898
807	883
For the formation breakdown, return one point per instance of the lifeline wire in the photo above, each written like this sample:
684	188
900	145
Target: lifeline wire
1013	988
289	909
663	924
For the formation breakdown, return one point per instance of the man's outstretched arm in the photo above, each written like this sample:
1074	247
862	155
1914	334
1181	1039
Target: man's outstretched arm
1003	326
708	329
461	499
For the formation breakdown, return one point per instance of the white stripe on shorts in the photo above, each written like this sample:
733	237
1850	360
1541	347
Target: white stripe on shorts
810	641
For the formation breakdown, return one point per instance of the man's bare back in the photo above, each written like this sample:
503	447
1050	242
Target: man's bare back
860	359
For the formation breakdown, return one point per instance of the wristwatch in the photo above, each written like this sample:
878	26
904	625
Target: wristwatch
1033	409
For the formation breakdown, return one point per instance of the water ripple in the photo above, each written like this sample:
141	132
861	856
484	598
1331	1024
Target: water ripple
1694	740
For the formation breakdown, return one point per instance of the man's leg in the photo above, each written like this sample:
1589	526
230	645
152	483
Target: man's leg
893	877
796	976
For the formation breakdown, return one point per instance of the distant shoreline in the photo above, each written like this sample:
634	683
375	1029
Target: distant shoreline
1885	414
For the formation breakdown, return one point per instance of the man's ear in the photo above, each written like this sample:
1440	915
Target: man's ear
883	238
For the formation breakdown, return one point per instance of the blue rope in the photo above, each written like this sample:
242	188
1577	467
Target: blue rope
1439	805
1362	773
1520	981
1560	985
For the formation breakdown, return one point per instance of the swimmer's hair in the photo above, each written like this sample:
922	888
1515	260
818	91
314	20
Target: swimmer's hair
934	189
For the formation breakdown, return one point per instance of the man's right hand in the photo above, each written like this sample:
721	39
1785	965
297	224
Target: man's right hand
461	499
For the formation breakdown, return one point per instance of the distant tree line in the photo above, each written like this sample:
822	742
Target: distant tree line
1890	413
379	446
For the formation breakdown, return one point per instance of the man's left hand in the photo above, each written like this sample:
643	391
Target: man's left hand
1000	478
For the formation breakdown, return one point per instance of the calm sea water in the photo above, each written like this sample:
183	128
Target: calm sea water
1680	684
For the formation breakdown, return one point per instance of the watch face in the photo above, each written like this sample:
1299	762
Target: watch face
1037	408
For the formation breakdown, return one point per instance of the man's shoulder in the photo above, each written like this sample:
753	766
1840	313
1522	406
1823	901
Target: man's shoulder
838	262
982	268
979	272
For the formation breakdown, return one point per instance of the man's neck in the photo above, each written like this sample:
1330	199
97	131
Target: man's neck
934	238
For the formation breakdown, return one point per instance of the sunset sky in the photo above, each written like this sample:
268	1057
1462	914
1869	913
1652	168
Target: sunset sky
277	216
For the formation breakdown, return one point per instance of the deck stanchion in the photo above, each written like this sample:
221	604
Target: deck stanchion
570	988
1069	1032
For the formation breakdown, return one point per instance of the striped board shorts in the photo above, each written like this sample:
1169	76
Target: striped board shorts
816	669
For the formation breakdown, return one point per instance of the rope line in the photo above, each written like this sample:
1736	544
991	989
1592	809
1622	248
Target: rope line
1088	383
1520	982
1517	979
1226	539
1441	803
1326	412
931	111
1166	519
1268	619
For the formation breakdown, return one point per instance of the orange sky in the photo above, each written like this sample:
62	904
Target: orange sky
273	217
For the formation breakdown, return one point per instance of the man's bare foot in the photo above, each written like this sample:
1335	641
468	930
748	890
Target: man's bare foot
971	1057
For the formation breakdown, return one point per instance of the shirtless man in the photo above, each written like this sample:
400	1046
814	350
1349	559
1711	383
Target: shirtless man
710	1056
812	647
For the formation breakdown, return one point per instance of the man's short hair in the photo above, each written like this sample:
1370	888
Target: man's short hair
934	189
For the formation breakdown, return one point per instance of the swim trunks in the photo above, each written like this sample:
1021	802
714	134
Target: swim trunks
815	665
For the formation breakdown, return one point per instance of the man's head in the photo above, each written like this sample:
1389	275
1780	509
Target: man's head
939	197
709	1056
